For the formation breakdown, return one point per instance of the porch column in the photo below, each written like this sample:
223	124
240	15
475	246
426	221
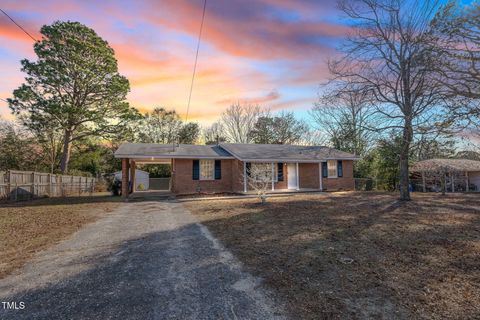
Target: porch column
273	176
133	178
445	184
453	181
298	177
320	176
244	176
171	185
466	179
125	178
423	181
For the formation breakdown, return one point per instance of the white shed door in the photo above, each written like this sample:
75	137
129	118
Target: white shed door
292	176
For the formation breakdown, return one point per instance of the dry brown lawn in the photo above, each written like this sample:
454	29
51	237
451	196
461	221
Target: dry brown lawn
28	227
419	259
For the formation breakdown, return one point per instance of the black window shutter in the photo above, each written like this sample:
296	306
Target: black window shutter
324	170
196	170
218	169
339	168
280	171
248	165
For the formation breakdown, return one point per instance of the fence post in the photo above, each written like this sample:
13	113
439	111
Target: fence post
49	186
32	188
8	187
60	182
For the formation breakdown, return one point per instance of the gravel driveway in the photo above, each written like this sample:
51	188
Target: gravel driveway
146	260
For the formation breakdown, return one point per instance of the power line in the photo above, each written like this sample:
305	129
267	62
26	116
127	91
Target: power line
28	34
4	100
196	59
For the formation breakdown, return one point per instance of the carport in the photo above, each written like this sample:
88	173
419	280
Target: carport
146	154
129	167
447	175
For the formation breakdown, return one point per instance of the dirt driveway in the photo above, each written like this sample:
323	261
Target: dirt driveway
148	260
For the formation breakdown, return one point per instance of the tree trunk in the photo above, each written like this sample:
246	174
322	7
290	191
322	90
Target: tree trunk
67	143
404	157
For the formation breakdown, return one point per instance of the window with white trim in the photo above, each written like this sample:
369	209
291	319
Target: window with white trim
207	169
332	168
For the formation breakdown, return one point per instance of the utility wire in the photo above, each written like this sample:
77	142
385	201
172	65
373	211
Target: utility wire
4	100
28	34
196	59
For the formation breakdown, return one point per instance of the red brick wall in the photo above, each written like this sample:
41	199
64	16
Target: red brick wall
309	177
345	183
232	178
183	183
237	176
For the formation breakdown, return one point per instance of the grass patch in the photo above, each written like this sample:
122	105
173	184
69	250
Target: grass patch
29	227
359	255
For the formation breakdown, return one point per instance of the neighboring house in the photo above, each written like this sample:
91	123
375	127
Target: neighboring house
452	175
225	167
142	179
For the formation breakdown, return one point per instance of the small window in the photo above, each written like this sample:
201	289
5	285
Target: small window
332	168
207	169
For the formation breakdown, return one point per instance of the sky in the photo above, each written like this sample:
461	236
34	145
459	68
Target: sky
268	52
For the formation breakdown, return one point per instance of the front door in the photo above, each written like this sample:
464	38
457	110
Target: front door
292	176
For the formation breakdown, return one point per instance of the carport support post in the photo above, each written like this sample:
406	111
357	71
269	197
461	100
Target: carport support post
453	182
423	182
320	176
466	179
298	178
125	177
273	176
133	168
244	177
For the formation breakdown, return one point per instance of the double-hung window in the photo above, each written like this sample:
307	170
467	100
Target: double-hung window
207	169
332	168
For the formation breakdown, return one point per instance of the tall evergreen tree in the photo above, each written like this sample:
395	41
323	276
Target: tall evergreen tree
73	87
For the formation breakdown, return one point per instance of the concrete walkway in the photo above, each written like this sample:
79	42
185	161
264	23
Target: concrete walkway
147	260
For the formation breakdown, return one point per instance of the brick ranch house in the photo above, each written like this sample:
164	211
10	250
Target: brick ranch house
224	168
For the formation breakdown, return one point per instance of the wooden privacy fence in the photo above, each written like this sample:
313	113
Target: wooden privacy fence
27	185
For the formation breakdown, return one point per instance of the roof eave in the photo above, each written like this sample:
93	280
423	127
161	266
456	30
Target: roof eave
298	160
133	156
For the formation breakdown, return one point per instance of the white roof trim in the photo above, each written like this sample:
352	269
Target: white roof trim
133	157
296	160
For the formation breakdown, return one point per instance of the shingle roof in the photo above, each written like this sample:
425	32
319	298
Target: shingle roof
446	165
153	150
247	152
284	152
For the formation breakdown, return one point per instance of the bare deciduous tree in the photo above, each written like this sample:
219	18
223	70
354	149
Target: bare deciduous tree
346	119
457	52
389	58
214	134
282	128
458	48
159	126
259	178
238	121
